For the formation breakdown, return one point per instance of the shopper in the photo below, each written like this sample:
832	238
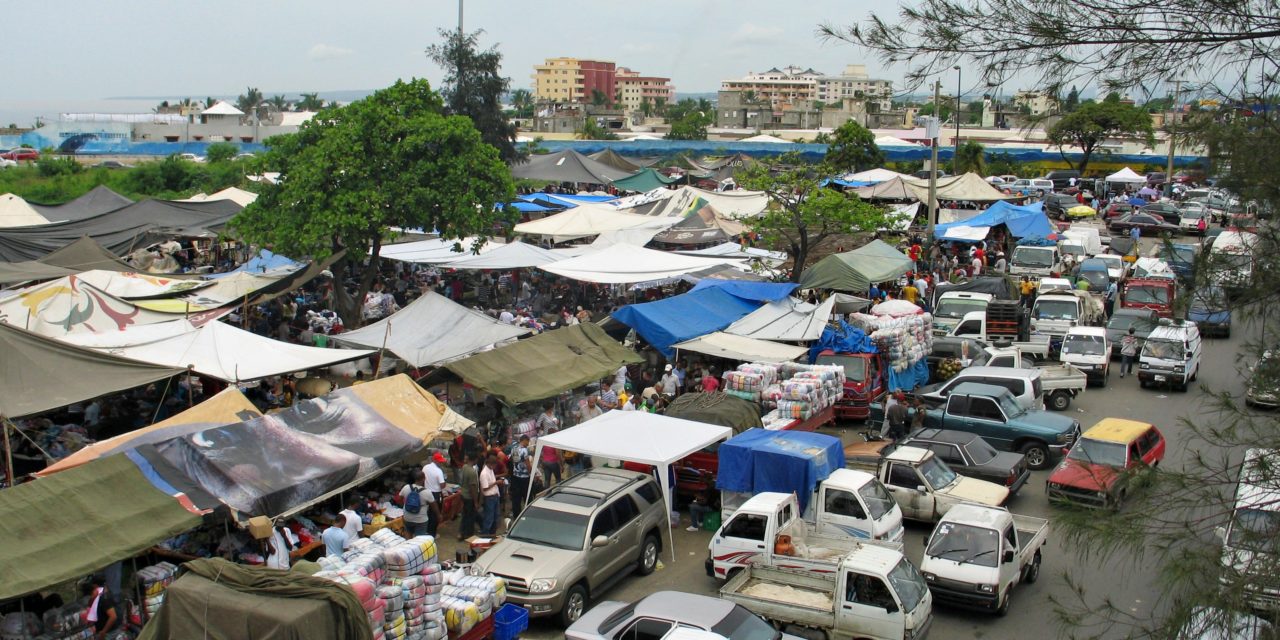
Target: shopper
102	608
490	493
520	462
420	506
469	488
1128	351
335	537
434	481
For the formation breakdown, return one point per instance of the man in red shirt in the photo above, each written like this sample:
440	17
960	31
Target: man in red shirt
709	382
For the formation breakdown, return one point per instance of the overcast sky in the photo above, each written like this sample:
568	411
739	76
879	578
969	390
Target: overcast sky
78	53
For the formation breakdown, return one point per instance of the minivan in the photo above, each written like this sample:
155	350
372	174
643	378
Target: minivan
1171	355
1024	384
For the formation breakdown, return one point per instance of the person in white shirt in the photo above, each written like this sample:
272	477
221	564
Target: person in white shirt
506	317
93	413
433	479
669	383
281	542
620	378
428	510
354	524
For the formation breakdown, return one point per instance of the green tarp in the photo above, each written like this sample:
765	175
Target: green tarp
645	180
856	270
221	600
716	408
76	522
546	364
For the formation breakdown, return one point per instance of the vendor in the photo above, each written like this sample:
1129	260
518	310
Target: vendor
102	607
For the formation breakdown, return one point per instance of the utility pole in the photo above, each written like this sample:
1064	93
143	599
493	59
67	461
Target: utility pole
1173	116
933	162
955	155
459	16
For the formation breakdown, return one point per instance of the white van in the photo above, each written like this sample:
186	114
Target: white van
1254	526
1231	258
1171	355
1035	261
1087	349
1087	237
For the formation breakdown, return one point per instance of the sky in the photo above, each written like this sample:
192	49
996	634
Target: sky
84	52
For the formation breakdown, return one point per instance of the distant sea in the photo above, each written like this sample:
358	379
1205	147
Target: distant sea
24	111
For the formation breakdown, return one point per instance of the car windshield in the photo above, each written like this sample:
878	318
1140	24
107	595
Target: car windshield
957	307
1146	294
1097	280
965	544
1164	349
1009	405
1256	529
552	528
1179	254
1110	454
1231	260
1084	345
1056	310
741	623
877	499
855	369
1032	257
1192	214
979	451
1122	322
937	473
1209	299
909	584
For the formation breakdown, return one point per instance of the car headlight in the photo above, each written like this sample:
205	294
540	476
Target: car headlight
1177	369
542	585
1144	366
1054	485
987	588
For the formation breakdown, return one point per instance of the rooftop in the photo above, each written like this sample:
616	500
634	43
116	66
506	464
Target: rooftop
1116	430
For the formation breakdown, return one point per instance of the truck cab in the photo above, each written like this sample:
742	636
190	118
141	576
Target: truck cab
1056	313
992	412
1035	261
923	485
863	382
1087	349
953	306
1156	294
977	555
1104	462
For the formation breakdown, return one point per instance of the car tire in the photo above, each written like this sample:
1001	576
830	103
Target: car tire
1033	571
575	604
1059	400
1003	609
648	555
1037	454
1106	376
1195	374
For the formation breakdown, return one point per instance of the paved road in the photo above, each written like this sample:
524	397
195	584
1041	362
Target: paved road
1125	581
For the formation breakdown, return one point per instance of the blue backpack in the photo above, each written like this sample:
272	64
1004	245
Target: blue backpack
413	503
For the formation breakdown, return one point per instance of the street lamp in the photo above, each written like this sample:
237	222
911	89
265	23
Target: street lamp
955	157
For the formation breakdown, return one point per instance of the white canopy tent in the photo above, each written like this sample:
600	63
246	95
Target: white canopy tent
875	175
640	437
15	212
627	264
1126	176
514	255
789	319
733	347
736	250
735	205
431	330
434	251
215	349
967	233
764	137
892	141
589	220
234	194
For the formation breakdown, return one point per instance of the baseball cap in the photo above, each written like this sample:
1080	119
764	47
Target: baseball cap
438	457
668	368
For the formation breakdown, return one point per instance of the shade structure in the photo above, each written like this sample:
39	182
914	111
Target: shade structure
97	201
513	255
15	212
38	373
663	323
743	349
546	364
755	291
643	180
588	220
615	160
637	436
789	319
856	270
626	264
215	349
764	137
681	202
967	187
234	194
16	272
138	285
567	166
262	262
435	250
85	254
1126	176
1022	221
70	305
761	460
736	250
64	527
431	330
892	189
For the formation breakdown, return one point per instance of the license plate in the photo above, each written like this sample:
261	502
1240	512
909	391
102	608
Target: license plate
1160	378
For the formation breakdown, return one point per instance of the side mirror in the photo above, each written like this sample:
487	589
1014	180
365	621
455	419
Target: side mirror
921	488
1008	556
891	607
1221	533
600	541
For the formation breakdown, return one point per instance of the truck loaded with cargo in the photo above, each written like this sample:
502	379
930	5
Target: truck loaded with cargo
878	354
992	412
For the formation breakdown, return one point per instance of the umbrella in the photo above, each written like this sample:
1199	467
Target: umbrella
1148	191
1081	211
1137	202
896	309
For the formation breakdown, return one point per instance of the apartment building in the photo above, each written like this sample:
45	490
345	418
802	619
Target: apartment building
574	80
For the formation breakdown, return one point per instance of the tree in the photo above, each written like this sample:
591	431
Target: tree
975	109
522	102
393	159
473	87
1072	102
1093	123
209	102
692	126
310	102
801	213
279	103
943	111
220	152
970	159
646	107
249	101
598	98
853	148
591	130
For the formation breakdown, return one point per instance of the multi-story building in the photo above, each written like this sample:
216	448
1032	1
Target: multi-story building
1038	102
793	97
854	83
634	90
778	88
573	80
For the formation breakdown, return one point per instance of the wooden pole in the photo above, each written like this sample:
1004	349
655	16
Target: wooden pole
8	452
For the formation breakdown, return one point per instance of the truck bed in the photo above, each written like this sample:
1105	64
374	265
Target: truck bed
784	596
826	417
1062	376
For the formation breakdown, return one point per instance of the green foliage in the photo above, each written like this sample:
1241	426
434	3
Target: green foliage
591	130
802	214
943	111
249	101
171	175
473	87
970	158
1093	122
1072	102
853	148
1003	164
50	166
522	102
598	98
823	138
220	152
310	102
393	159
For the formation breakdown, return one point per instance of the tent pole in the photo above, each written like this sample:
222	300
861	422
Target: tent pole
191	396
382	351
8	452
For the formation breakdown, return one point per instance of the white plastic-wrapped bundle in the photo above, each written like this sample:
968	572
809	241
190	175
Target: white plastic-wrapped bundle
386	538
404	560
524	427
794	409
749	396
428	546
328	563
369	565
481	598
767	371
394	627
775	421
743	381
460	616
799	389
493	584
392	598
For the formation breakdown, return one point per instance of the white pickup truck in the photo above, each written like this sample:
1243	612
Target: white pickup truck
977	555
923	485
874	594
1060	382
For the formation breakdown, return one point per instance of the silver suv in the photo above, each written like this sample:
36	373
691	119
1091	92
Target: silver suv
577	540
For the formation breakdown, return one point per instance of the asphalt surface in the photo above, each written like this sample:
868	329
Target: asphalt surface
1127	582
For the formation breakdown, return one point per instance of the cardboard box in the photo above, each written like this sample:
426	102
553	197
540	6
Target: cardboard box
260	527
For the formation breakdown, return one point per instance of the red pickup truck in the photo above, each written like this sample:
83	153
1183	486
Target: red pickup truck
864	381
1156	294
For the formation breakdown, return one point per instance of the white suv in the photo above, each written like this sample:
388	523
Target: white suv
1171	355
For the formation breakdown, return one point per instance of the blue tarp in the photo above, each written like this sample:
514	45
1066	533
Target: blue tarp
684	317
759	460
527	207
261	263
564	200
1022	221
1138	202
846	183
846	339
917	375
758	291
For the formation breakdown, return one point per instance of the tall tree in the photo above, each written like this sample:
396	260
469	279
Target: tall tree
1073	100
310	102
591	130
802	214
970	159
393	159
249	101
473	87
279	103
1093	123
522	102
646	106
853	148
598	98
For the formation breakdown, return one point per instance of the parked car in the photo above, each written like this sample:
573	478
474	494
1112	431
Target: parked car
1063	178
969	455
656	614
1263	388
1105	461
1057	204
21	154
1167	211
1142	321
576	539
1147	225
1210	311
1155	178
1189	223
1117	208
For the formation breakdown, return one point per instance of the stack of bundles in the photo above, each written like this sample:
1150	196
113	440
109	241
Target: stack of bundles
423	615
770	396
768	370
154	580
393	625
775	421
903	341
524	427
830	381
20	626
64	623
403	583
460	616
745	385
366	591
410	557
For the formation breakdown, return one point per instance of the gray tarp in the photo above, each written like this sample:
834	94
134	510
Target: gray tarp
790	319
84	254
567	166
431	330
96	202
15	272
856	270
39	373
615	160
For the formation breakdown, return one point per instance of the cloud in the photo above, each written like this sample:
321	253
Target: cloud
750	33
327	52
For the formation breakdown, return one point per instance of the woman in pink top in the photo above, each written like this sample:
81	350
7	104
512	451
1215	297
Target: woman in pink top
551	462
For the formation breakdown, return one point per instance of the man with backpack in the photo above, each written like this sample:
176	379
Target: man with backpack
419	505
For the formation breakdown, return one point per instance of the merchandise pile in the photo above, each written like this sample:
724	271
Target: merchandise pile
62	623
790	391
154	580
903	341
467	600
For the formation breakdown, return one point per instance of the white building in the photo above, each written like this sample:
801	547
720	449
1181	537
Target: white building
855	84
